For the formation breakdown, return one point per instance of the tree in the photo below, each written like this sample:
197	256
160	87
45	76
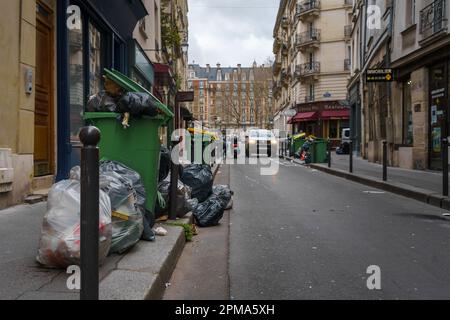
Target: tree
263	78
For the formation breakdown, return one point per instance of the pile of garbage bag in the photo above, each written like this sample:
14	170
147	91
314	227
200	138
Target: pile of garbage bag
185	202
304	153
127	217
200	179
210	212
137	104
164	163
59	245
134	180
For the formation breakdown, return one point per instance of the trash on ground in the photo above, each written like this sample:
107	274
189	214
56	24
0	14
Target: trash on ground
160	231
210	212
59	245
200	179
185	203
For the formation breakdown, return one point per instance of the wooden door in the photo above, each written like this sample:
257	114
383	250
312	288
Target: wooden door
43	126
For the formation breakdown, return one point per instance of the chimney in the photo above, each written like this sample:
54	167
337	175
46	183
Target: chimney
218	66
208	68
239	67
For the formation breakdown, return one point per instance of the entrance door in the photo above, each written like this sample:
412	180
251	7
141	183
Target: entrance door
438	128
43	125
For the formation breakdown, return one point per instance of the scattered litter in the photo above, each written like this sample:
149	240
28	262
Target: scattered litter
160	231
168	284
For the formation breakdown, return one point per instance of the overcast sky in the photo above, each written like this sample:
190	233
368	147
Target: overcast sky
231	31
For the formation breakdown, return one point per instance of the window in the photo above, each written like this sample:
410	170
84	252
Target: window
95	60
77	85
410	14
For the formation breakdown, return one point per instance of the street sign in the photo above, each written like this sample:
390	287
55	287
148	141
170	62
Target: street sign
380	75
290	113
185	96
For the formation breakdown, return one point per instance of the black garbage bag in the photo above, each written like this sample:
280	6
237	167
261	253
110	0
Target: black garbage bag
127	219
102	102
210	212
137	105
164	166
135	181
200	179
184	202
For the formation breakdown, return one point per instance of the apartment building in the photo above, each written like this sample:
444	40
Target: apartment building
232	97
420	94
312	66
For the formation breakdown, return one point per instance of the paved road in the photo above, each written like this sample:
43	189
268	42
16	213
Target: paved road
303	234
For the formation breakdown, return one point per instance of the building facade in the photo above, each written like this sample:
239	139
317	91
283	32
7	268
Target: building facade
53	54
312	66
409	113
232	98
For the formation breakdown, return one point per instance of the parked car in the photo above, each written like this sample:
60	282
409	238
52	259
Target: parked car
259	142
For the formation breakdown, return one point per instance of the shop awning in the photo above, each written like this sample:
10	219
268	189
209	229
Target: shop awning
163	75
304	117
335	114
123	15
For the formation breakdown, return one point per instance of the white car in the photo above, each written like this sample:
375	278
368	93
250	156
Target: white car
260	142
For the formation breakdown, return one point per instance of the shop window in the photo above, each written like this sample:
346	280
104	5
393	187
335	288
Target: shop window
77	85
333	129
95	60
407	114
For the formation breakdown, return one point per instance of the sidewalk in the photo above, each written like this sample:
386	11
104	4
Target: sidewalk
141	273
425	186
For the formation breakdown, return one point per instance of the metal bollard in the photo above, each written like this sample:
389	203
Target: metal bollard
351	157
89	216
384	160
174	172
445	167
329	153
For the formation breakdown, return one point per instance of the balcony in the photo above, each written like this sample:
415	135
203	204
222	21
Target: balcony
308	70
285	77
308	39
276	67
284	50
277	45
308	10
347	64
348	31
276	89
433	22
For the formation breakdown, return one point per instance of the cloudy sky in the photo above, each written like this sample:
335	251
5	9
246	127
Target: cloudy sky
231	31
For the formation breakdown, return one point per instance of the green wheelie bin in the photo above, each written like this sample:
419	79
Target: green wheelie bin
319	152
138	146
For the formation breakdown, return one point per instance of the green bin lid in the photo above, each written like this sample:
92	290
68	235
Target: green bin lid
131	86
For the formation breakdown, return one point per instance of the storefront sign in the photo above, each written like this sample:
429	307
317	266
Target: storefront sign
380	75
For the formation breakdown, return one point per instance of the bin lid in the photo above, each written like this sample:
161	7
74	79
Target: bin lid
131	86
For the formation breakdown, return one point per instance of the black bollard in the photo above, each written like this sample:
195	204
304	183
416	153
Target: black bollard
351	157
89	216
174	172
445	167
384	160
329	153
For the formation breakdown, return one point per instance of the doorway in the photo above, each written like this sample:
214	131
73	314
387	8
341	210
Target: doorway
437	114
43	123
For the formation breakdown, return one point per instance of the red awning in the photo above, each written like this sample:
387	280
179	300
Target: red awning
335	114
304	117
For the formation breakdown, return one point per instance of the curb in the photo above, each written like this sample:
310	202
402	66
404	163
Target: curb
142	274
423	195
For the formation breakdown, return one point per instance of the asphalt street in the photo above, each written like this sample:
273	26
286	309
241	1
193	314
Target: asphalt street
303	234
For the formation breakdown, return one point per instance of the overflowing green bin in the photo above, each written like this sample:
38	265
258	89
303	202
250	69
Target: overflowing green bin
138	146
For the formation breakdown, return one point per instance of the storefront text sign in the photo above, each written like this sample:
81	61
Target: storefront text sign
380	75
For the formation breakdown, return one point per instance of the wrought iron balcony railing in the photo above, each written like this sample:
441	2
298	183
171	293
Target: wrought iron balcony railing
306	7
307	69
433	19
307	38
